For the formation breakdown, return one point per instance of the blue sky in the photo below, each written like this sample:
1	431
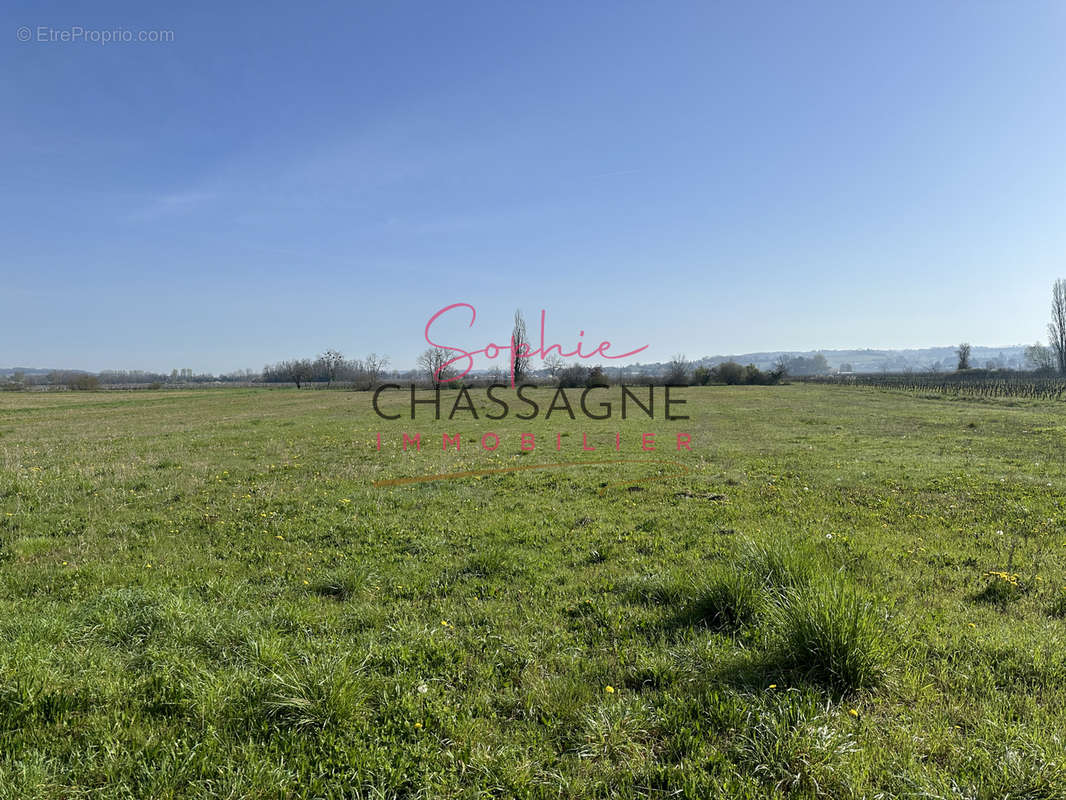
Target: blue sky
699	177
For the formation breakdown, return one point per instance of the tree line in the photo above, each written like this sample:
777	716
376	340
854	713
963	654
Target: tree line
329	367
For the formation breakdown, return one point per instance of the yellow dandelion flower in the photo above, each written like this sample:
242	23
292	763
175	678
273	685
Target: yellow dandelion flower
608	689
854	712
773	685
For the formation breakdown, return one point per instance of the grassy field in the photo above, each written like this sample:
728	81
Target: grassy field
849	593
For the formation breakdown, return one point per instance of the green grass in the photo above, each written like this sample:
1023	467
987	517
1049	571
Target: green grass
202	595
776	567
727	600
832	635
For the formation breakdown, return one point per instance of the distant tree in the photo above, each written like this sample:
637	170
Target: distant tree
373	366
1039	358
701	376
331	361
573	376
677	371
554	364
963	352
596	377
733	374
433	363
728	372
296	370
351	370
1056	329
520	343
846	367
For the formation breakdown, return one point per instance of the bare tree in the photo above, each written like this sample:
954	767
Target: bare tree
677	371
1056	329
963	352
351	371
331	361
555	364
297	370
434	362
374	365
1039	357
520	343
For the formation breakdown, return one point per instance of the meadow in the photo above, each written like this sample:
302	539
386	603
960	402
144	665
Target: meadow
838	592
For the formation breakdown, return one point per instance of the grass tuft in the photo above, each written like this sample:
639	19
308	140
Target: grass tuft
832	636
311	696
774	567
340	585
728	600
793	747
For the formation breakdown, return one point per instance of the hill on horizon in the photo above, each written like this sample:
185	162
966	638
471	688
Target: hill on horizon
922	359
